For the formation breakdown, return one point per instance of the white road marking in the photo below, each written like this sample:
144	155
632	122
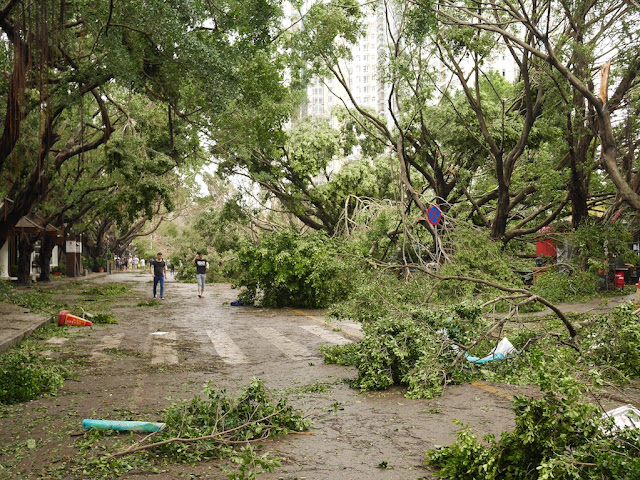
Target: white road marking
291	349
163	351
326	335
141	378
226	348
57	340
108	341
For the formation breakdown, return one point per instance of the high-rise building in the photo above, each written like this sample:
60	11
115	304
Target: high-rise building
366	88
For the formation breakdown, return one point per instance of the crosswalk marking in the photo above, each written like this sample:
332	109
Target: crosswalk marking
327	335
291	349
226	347
108	341
163	351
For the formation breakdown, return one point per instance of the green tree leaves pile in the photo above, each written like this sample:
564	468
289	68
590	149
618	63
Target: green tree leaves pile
557	436
289	269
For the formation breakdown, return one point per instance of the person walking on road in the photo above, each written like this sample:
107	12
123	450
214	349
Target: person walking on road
201	272
159	272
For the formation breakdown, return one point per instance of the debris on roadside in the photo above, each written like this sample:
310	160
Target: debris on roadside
122	425
625	416
66	318
502	350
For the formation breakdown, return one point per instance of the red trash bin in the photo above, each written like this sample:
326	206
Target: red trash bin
545	245
619	279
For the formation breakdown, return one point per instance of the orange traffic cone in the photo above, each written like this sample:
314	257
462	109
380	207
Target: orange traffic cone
65	318
637	302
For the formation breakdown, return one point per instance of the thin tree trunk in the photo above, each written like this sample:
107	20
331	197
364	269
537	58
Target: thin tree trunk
25	249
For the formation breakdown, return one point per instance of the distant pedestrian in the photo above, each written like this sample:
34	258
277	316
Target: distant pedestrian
202	265
159	272
172	266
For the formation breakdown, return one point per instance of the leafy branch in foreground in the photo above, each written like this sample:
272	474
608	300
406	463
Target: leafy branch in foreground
26	375
558	436
209	426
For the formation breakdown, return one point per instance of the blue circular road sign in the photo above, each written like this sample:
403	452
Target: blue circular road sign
434	214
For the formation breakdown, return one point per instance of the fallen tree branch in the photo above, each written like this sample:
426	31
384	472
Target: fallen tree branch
506	297
213	436
572	331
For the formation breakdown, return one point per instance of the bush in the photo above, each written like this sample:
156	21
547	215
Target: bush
563	287
290	269
475	255
410	350
613	340
557	436
25	376
594	242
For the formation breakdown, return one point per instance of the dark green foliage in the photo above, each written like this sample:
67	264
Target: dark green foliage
557	436
289	269
25	376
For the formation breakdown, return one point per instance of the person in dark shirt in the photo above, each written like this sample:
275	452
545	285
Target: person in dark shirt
159	272
201	272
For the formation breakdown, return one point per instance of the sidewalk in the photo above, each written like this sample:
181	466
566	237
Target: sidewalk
18	322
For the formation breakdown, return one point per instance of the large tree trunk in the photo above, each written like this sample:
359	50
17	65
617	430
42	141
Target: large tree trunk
25	249
45	258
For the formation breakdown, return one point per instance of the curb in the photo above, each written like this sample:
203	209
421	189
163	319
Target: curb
18	337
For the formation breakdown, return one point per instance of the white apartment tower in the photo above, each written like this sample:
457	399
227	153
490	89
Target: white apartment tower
361	72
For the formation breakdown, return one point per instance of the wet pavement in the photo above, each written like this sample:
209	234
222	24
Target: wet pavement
165	351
